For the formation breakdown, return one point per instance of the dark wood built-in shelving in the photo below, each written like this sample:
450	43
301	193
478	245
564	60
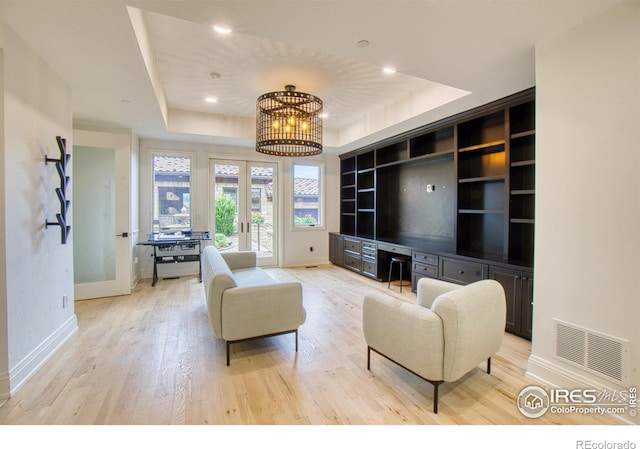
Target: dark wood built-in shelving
462	188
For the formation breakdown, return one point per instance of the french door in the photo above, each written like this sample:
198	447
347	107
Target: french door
244	207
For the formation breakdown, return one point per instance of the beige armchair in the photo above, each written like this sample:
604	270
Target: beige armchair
450	330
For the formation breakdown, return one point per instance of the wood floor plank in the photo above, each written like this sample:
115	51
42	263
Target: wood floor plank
151	358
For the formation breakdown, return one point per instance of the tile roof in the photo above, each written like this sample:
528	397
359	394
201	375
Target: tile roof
174	164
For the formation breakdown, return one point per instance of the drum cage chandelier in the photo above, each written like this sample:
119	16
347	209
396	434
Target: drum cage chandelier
288	123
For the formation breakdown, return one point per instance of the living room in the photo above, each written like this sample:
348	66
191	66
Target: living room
587	214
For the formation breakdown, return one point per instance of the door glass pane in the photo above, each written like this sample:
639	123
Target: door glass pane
262	210
94	228
225	204
172	192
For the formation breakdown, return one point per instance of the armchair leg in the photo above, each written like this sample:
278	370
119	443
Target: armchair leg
228	344
368	358
296	340
489	365
435	397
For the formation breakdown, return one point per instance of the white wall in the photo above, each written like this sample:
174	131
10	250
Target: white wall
294	245
587	258
36	108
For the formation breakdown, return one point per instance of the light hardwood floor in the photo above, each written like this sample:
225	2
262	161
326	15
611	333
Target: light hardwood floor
150	358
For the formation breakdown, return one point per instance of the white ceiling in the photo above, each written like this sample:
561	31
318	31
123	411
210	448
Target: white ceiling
146	65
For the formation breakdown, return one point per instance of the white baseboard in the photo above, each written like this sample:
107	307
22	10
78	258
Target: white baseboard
552	375
23	371
307	262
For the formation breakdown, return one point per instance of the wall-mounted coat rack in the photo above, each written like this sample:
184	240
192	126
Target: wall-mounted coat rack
61	192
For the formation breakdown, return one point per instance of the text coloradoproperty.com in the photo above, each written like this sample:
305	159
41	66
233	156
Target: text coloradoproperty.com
587	410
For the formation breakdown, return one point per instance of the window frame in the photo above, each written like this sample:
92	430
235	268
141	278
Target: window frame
192	205
320	226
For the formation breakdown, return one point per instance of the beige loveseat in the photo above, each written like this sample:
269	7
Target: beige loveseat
244	302
450	330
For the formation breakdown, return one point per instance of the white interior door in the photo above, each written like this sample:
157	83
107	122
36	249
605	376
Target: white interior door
244	207
100	232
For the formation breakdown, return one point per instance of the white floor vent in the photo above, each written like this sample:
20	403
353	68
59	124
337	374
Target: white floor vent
597	353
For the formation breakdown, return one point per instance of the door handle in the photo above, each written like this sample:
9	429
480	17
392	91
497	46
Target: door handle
124	234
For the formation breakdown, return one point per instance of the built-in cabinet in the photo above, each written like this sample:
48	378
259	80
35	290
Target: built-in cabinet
518	287
457	195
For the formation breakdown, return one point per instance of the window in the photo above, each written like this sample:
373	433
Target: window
307	197
171	192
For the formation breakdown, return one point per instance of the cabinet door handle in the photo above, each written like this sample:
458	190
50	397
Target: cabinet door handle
460	272
524	278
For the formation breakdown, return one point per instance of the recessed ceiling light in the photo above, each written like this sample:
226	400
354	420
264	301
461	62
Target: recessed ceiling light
211	99
221	29
363	43
389	70
214	75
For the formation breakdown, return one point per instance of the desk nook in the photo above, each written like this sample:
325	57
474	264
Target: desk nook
179	247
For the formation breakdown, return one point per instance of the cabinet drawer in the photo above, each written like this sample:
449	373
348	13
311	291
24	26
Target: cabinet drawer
352	245
369	268
425	258
462	271
368	253
369	250
369	247
425	270
396	249
352	262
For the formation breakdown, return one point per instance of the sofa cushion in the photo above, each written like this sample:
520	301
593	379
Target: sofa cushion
252	277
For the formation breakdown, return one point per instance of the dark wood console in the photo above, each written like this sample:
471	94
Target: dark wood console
458	196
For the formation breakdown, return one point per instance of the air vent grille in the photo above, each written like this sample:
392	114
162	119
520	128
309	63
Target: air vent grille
592	351
570	344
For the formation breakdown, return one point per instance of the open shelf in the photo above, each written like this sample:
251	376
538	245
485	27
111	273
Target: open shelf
365	161
348	179
481	196
523	177
523	148
392	153
439	141
366	179
522	118
481	165
487	129
481	233
348	164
